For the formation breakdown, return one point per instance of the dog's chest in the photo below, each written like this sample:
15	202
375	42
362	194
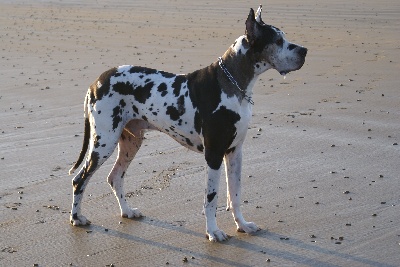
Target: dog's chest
244	110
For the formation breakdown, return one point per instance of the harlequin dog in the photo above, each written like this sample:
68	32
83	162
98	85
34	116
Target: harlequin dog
207	111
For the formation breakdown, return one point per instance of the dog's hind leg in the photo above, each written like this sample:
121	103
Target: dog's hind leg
233	167
98	153
79	183
128	145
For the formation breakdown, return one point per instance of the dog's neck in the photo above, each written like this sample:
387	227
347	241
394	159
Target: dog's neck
242	65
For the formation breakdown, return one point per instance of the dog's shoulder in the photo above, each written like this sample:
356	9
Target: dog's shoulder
204	88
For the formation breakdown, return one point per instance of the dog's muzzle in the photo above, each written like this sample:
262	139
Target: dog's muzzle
301	52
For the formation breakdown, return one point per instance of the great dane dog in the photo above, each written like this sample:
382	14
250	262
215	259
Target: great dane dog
207	111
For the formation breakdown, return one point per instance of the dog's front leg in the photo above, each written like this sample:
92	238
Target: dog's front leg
210	204
233	167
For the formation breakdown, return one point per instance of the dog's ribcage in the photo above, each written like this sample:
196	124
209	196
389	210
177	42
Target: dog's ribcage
160	98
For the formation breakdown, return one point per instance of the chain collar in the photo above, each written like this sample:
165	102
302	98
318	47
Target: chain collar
233	81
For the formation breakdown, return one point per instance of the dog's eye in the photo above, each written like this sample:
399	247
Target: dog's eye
279	42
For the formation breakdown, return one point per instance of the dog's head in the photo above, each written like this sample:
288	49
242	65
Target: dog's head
270	47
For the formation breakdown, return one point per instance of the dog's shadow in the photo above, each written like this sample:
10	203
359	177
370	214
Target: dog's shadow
241	242
159	244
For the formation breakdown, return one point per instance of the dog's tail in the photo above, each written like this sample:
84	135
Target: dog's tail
86	138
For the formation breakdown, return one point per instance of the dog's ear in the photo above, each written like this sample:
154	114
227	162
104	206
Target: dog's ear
258	15
252	25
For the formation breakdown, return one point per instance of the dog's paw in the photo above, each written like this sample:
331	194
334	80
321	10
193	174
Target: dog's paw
79	220
217	236
248	227
131	213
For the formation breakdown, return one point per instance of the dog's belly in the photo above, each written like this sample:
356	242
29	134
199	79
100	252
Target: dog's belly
183	134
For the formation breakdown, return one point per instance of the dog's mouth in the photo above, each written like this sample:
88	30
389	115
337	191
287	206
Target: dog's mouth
285	72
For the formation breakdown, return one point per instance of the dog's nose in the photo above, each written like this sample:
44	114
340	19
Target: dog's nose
303	51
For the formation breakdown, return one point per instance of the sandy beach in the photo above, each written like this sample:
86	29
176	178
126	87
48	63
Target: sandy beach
321	159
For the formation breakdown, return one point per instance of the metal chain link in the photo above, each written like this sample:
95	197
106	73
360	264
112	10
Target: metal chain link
233	81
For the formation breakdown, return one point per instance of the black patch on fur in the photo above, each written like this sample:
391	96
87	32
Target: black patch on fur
200	148
197	122
162	88
147	71
245	43
210	197
292	46
135	109
219	131
178	84
204	89
123	88
104	79
116	116
167	74
96	141
142	93
176	112
173	113
122	103
181	104
93	164
189	142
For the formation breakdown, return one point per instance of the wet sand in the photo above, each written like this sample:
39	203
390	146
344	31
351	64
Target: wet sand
321	160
